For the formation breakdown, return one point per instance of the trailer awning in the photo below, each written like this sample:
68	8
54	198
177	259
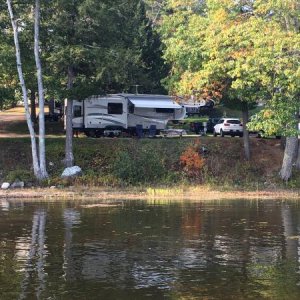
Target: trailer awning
157	103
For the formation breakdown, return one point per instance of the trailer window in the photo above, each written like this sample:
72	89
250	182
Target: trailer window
165	110
115	108
77	111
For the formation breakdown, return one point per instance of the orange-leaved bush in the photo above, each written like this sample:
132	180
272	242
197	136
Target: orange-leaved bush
191	159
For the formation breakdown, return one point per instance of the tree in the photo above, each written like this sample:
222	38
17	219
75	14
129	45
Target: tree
42	150
281	110
8	76
237	51
100	47
215	43
39	172
182	30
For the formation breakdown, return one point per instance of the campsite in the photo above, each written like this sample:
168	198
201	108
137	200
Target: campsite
129	160
149	149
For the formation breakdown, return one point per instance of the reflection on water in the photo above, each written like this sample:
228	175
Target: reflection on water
138	250
34	257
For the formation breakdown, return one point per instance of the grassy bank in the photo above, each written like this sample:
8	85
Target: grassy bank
151	162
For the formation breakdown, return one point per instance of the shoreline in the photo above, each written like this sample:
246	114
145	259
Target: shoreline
199	193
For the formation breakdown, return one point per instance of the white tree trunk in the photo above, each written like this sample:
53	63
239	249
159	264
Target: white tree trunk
288	159
42	151
36	168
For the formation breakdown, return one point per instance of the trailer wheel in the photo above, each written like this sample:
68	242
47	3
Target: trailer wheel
92	133
87	133
99	133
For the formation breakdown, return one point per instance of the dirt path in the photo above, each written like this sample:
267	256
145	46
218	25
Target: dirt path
10	119
13	124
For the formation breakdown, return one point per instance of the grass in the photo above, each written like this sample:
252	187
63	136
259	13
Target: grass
20	128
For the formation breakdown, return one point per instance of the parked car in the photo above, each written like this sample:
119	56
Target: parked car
229	126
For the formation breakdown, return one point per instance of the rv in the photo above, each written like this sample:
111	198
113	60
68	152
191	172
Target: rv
113	114
203	107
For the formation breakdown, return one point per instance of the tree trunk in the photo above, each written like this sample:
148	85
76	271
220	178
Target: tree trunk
69	157
32	106
35	162
298	157
288	158
51	104
42	148
246	140
297	160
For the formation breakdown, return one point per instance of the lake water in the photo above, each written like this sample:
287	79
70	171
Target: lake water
150	250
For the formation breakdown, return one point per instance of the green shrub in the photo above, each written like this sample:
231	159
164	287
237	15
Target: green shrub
19	174
139	167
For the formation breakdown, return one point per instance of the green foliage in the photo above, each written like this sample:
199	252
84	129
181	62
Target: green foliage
276	118
237	52
19	174
9	81
8	71
109	45
139	167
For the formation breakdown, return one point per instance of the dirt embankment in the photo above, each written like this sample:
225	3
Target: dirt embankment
225	166
227	174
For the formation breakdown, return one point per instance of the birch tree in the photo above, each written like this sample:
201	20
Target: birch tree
42	150
39	174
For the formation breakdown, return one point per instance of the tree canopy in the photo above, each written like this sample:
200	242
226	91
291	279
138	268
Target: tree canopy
110	45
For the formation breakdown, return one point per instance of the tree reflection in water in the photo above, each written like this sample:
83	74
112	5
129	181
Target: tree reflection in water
34	273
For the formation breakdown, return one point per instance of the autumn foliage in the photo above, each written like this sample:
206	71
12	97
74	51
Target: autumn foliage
191	160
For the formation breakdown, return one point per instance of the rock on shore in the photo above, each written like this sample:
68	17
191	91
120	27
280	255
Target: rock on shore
5	185
71	172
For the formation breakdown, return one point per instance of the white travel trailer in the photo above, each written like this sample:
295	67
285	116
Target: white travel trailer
203	107
98	115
